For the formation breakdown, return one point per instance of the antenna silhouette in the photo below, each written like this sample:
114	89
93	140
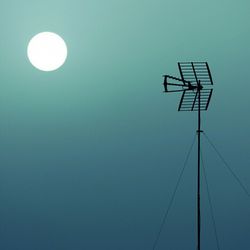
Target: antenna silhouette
195	77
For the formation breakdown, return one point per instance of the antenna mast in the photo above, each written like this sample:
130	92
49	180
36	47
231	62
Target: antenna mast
194	76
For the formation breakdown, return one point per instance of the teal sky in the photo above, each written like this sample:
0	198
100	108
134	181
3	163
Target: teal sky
90	153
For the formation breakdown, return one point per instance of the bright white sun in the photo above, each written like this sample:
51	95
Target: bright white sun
47	51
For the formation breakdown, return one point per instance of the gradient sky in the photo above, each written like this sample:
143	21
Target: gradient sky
90	153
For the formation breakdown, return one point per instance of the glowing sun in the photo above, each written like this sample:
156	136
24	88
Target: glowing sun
47	51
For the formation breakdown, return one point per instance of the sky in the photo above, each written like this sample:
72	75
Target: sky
90	154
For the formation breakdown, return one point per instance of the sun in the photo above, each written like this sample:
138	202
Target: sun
47	51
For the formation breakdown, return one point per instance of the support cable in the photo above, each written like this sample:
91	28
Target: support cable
210	204
228	167
173	196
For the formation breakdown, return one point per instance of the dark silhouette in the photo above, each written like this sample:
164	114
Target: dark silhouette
194	78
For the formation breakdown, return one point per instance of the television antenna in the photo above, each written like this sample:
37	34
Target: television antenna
195	77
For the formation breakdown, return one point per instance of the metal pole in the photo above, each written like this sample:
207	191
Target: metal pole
198	173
